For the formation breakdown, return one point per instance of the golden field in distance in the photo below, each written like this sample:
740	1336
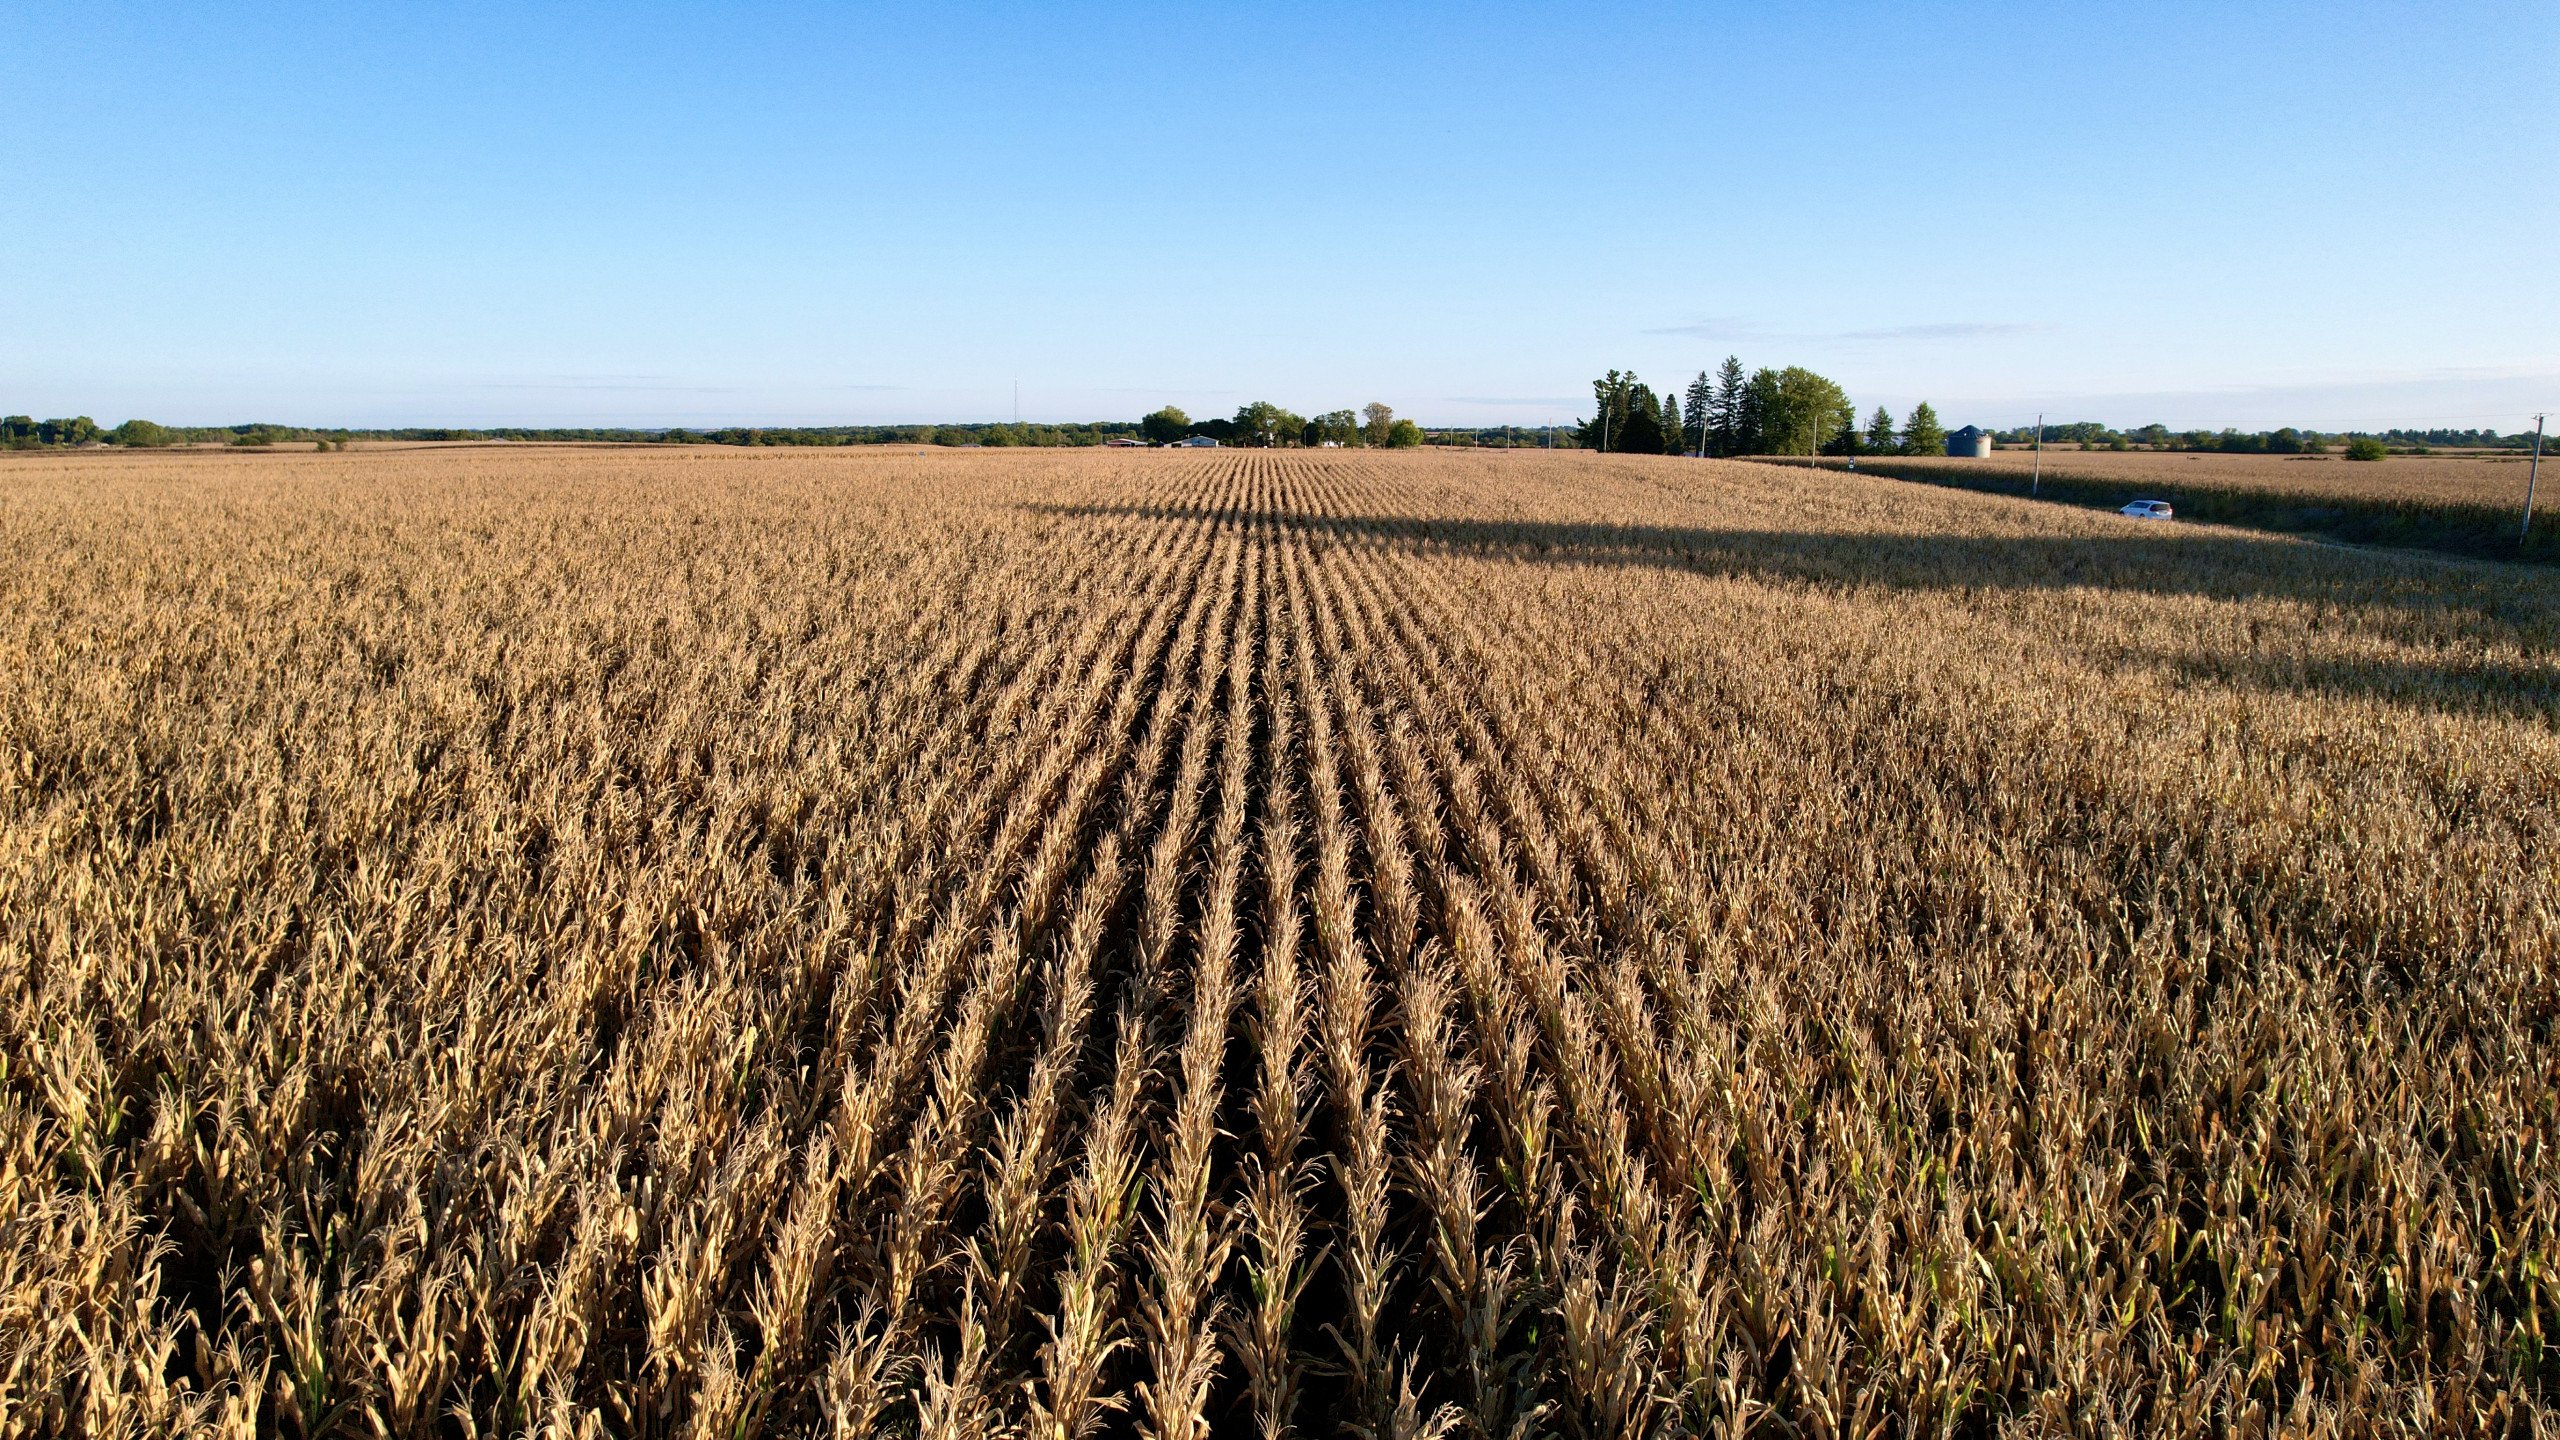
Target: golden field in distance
832	942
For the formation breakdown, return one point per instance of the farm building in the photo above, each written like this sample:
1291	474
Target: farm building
1199	442
1970	443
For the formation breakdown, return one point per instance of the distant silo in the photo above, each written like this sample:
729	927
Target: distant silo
1970	443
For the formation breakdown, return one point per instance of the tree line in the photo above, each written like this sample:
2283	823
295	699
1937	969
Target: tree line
1768	411
1794	411
993	434
2284	440
2463	439
2092	435
21	432
1789	411
1263	424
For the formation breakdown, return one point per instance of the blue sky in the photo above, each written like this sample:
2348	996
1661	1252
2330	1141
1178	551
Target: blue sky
2342	215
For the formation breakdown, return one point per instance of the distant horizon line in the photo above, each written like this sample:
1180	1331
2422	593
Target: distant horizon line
2056	431
2500	421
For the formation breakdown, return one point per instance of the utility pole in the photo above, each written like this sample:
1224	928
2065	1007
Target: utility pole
2035	481
2529	472
1017	402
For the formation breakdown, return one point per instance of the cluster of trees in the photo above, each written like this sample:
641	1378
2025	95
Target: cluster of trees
1790	411
1501	437
18	432
2088	433
1263	424
989	434
2463	439
21	432
2285	440
2093	435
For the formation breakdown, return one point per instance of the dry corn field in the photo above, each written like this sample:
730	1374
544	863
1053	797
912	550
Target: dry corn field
734	943
2493	482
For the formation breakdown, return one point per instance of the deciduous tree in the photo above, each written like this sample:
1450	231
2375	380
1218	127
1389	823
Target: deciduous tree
1811	407
1377	422
1265	424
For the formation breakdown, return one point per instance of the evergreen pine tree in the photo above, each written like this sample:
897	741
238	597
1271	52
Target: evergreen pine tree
1880	439
1920	433
1622	409
1696	415
1612	401
1759	416
1675	432
1726	414
1643	434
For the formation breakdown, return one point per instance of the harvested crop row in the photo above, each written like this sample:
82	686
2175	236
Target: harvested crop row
691	943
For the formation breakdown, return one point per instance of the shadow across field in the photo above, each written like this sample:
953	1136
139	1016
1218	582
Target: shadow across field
2451	527
2149	558
2445	598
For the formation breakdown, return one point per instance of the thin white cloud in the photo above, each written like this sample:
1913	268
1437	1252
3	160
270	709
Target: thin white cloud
648	384
1727	328
1735	329
1951	330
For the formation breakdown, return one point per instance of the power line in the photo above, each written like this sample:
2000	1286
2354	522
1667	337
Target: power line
2530	472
